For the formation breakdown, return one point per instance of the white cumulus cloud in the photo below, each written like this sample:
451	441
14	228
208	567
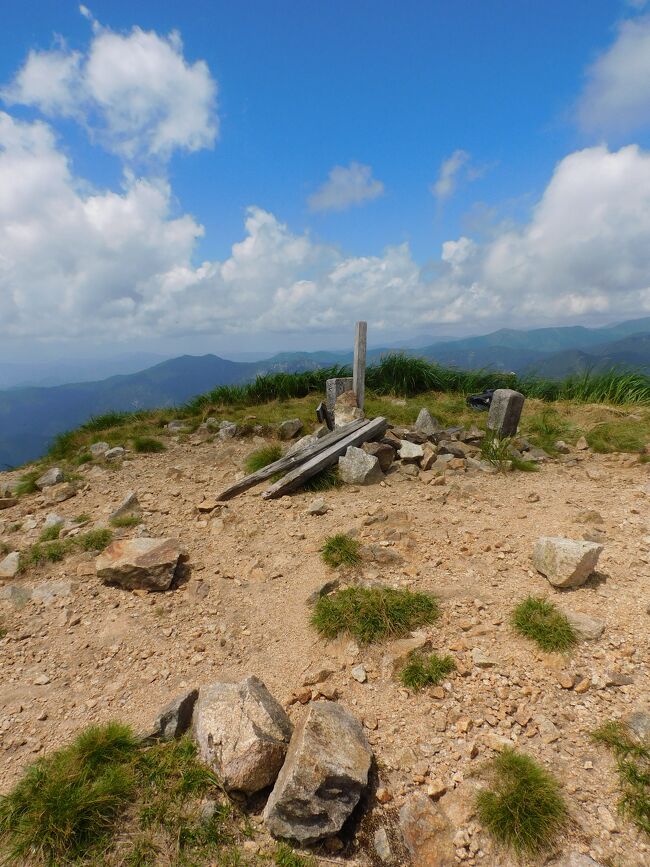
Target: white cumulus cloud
616	97
345	187
135	92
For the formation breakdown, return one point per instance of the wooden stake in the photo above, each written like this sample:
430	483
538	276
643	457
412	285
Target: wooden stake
359	369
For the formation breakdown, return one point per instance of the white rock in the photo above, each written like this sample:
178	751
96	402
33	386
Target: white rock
357	467
409	451
565	562
9	565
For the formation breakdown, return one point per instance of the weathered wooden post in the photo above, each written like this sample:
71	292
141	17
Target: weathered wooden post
359	368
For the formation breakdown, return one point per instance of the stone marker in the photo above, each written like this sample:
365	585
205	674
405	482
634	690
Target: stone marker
323	776
135	564
357	467
565	562
335	387
505	412
242	732
51	477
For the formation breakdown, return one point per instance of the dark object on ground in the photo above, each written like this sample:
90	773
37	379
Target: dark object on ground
323	415
481	401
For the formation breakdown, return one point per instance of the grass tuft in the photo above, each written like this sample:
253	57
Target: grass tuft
633	761
325	480
617	436
261	458
373	613
422	670
126	521
27	483
285	856
43	552
524	809
94	540
147	445
541	621
50	533
341	550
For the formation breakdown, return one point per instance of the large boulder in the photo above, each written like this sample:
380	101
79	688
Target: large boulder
565	562
140	564
357	467
242	732
51	477
290	428
426	832
323	776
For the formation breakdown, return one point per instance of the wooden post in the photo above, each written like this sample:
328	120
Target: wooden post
359	369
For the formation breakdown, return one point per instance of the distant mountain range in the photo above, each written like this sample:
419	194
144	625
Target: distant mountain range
30	417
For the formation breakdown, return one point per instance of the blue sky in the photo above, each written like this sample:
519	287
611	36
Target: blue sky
520	112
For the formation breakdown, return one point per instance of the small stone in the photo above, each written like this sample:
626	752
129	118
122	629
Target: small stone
115	454
410	452
176	717
98	450
582	444
426	832
290	428
426	424
587	628
436	789
318	507
565	680
129	507
481	659
359	673
41	680
384	795
9	565
607	820
381	844
384	453
142	563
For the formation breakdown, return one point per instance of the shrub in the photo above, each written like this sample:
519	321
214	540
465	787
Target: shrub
524	809
496	451
421	670
261	458
541	621
126	521
50	533
372	613
340	550
146	445
27	483
97	423
617	436
43	552
633	763
94	540
325	480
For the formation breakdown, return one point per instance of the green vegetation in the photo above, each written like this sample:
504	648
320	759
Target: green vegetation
50	533
146	445
325	480
546	427
261	458
82	519
499	451
618	436
126	521
109	795
97	423
633	762
55	551
422	670
27	483
524	808
341	550
373	613
285	856
541	621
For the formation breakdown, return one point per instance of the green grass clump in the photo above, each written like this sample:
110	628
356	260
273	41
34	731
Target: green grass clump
373	613
422	670
44	552
126	521
541	621
66	804
496	451
27	483
285	856
325	480
145	445
108	798
261	458
94	540
617	436
98	423
83	518
341	550
50	533
524	809
546	427
633	761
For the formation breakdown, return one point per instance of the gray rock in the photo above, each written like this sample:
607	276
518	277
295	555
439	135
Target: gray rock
9	565
242	732
288	429
359	673
426	424
639	722
177	426
505	412
323	776
587	628
447	447
381	844
357	467
16	594
346	409
53	520
384	453
53	476
410	452
60	493
98	450
302	443
336	387
129	507
565	562
115	453
50	591
561	447
426	832
318	507
227	430
143	563
176	717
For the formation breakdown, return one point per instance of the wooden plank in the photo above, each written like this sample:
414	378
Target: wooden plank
359	366
289	463
371	430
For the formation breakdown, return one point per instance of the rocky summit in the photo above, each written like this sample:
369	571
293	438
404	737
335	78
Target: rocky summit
144	598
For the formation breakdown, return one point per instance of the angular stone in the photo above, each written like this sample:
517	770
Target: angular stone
290	428
639	723
426	832
346	409
98	450
426	424
9	565
115	454
53	476
384	453
357	467
53	520
381	844
129	507
8	502
176	717
242	732
227	430
323	777
587	628
334	388
143	563
565	562
397	652
60	493
505	412
429	455
302	443
318	507
410	452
